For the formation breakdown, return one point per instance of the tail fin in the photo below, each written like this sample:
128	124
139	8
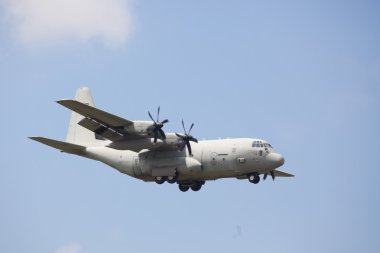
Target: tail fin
77	134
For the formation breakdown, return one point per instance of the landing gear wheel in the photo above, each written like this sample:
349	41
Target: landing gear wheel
183	188
171	179
160	180
254	178
196	187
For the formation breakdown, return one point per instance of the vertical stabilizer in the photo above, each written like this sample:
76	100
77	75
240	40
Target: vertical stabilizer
77	134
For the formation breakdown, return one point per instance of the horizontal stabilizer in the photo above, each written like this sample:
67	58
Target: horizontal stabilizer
94	113
63	146
278	173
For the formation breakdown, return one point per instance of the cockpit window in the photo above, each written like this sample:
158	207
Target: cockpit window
260	144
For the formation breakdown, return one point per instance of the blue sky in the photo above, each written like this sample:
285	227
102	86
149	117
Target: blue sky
304	75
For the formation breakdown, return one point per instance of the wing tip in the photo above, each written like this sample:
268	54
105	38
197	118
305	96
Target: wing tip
64	101
35	138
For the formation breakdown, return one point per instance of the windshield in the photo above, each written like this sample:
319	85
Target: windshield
261	144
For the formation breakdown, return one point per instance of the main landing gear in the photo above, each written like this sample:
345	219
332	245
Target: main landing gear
160	180
195	186
183	186
170	179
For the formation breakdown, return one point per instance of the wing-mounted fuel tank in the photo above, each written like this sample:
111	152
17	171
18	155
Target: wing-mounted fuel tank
152	166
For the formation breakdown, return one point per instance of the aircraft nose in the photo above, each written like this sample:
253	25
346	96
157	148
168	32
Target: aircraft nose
277	159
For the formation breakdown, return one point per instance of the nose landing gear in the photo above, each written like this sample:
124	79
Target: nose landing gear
254	178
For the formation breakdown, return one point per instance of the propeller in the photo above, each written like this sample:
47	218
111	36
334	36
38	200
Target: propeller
271	173
186	138
157	126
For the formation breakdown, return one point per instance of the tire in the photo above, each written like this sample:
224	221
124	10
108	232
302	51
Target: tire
160	180
183	188
196	187
171	179
254	178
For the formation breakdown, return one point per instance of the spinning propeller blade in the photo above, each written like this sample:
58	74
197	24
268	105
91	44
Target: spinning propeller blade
186	139
157	126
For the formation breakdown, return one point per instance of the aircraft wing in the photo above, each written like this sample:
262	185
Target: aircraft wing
63	146
100	122
93	113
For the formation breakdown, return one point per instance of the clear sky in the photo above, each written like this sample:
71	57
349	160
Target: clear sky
304	75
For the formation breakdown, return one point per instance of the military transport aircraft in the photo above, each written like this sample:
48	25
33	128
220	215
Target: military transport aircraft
142	149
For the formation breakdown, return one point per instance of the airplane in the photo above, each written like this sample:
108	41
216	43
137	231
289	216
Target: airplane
141	149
